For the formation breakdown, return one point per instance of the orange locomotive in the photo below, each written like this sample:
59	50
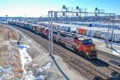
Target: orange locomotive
85	46
80	44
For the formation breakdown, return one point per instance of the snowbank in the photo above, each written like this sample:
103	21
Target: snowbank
47	66
25	59
116	52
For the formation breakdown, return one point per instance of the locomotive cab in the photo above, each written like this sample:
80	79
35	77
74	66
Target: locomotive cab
56	36
87	47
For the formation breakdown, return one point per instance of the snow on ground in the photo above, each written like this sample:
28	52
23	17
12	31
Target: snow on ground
43	67
25	59
102	41
101	45
116	52
47	66
6	72
41	77
39	70
29	76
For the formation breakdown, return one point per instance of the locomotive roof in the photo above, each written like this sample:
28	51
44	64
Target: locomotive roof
83	38
80	37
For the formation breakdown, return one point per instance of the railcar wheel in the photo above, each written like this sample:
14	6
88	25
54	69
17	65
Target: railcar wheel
76	51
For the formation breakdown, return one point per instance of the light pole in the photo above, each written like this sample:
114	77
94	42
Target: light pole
25	18
107	36
50	16
110	30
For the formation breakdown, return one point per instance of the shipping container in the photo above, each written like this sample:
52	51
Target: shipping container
90	25
82	31
67	29
97	34
88	32
92	33
103	35
116	38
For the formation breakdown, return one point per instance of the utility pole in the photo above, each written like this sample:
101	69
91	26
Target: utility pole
50	16
110	30
113	27
107	36
6	18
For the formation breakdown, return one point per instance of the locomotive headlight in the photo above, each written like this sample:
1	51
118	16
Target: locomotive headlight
87	53
92	48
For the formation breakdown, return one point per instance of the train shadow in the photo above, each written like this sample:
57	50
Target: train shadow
99	63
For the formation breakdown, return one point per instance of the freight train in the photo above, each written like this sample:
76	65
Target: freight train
81	45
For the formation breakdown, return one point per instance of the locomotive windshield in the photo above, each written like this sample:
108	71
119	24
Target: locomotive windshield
87	41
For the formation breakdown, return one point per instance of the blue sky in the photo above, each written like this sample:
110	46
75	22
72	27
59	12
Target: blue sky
36	8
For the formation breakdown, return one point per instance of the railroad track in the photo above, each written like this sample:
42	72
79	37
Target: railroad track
109	55
89	69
